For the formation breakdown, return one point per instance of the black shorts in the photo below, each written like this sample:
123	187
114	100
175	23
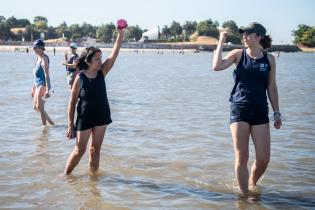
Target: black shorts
90	118
253	115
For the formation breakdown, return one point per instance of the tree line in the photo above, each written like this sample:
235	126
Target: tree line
174	32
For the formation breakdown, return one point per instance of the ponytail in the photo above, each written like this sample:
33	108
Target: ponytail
265	42
86	57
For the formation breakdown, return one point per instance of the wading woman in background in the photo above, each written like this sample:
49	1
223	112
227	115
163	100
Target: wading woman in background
93	112
254	77
41	86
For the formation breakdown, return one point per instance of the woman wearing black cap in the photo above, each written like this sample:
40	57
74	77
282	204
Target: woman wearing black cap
93	112
42	84
254	77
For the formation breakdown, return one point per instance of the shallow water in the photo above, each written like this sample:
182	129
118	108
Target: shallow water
169	146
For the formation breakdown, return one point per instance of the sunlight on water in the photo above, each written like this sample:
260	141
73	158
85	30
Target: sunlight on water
169	146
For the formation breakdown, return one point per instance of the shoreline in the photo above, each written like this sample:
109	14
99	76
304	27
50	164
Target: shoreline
165	47
19	48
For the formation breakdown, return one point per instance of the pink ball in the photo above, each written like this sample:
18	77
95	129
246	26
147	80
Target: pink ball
122	24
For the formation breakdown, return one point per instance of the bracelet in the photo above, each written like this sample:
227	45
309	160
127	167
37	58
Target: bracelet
277	114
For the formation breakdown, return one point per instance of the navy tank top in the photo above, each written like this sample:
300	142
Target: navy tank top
251	80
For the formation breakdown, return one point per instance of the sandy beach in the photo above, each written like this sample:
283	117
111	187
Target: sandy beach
307	49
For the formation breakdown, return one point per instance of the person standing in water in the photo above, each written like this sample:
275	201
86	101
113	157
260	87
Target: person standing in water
42	84
70	63
93	111
254	75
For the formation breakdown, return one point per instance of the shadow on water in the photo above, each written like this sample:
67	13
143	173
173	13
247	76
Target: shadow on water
263	201
42	139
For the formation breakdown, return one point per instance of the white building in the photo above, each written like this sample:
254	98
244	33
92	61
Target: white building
152	34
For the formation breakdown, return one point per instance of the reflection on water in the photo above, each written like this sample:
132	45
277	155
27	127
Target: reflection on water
169	146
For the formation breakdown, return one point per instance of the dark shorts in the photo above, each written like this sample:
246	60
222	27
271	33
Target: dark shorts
253	115
88	123
89	118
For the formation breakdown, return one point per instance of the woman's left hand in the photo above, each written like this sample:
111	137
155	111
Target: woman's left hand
278	122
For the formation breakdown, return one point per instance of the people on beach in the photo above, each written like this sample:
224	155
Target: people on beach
254	77
93	111
70	62
41	87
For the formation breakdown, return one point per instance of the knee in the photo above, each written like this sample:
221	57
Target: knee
79	151
262	162
37	107
241	158
94	151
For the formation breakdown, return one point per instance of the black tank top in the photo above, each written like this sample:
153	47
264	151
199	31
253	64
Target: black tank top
251	80
93	104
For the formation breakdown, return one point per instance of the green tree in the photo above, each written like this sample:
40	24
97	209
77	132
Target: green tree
40	23
134	32
12	22
190	27
231	26
5	32
105	32
208	28
2	18
75	31
88	30
176	29
62	29
308	37
166	32
234	36
51	33
299	33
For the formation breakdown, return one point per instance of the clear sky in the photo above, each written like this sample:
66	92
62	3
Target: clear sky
280	17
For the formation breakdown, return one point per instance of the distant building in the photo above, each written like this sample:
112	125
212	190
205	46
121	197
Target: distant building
152	34
19	31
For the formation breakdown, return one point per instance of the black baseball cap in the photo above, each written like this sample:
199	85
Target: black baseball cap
253	27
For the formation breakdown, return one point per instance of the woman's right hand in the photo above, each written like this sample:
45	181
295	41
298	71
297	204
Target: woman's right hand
121	32
223	36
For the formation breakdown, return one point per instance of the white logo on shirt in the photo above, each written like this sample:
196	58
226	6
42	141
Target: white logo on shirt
263	67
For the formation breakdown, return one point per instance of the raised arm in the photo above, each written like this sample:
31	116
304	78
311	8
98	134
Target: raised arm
218	63
71	107
272	91
109	62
